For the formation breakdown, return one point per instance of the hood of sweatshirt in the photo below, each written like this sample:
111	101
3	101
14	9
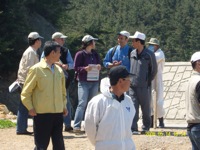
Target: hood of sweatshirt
105	87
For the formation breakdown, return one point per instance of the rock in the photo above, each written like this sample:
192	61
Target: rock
5	113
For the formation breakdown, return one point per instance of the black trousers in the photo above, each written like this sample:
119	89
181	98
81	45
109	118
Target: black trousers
48	126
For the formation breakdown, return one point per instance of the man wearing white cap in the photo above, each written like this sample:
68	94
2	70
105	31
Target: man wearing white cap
193	103
120	54
157	83
29	58
144	67
66	63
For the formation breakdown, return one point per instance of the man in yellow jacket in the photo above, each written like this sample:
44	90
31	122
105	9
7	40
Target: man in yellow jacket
44	95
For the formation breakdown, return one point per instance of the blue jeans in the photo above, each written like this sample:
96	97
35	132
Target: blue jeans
67	119
86	91
194	135
22	118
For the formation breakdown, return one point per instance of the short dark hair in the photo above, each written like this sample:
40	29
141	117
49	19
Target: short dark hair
86	44
50	46
117	72
32	41
141	41
194	64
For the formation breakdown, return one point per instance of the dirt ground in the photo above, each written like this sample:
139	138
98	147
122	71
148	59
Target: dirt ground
10	141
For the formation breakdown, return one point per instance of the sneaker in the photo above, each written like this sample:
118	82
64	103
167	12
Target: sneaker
135	131
144	128
78	131
68	129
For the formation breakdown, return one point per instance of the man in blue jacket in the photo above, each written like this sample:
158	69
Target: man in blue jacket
119	54
144	68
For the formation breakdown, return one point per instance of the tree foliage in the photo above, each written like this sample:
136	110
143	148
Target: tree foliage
174	22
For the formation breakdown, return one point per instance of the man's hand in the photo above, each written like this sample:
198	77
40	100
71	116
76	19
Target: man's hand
32	112
115	63
65	112
65	66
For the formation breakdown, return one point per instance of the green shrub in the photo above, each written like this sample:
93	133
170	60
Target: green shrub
6	124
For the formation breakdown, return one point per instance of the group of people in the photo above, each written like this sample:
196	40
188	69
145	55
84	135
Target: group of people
134	72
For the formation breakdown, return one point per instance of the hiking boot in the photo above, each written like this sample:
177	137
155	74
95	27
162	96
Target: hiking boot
24	133
151	122
68	129
161	122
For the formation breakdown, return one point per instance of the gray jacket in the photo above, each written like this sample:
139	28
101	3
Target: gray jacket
192	104
143	67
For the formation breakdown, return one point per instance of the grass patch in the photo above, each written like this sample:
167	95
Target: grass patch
6	124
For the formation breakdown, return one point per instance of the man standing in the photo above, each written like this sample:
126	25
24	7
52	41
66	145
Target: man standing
193	103
157	83
29	58
44	95
67	64
144	69
109	115
120	54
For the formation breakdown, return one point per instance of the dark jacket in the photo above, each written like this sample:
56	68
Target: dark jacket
143	67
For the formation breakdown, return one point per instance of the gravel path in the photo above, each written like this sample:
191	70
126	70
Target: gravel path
10	141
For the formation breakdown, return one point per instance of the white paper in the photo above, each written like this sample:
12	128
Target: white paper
15	85
93	74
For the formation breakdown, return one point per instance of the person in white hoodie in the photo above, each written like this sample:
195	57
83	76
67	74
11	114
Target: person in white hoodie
109	115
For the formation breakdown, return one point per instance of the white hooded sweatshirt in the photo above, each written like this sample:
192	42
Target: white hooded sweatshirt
108	121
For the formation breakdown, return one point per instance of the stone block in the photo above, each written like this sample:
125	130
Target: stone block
181	69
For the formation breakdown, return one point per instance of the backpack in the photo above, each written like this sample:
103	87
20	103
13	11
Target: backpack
114	49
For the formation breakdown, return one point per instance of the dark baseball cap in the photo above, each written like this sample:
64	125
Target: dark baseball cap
118	72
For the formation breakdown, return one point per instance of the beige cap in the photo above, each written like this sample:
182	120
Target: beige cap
88	38
34	35
58	35
154	41
124	33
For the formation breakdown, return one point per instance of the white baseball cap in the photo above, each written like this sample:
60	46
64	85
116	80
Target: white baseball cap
138	35
34	35
195	57
124	33
88	38
58	35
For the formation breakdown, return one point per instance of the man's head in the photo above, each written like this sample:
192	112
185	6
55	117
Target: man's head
138	39
195	61
88	40
153	44
123	37
35	39
59	38
52	50
119	76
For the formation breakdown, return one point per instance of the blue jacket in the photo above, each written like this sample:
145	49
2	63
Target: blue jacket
121	54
